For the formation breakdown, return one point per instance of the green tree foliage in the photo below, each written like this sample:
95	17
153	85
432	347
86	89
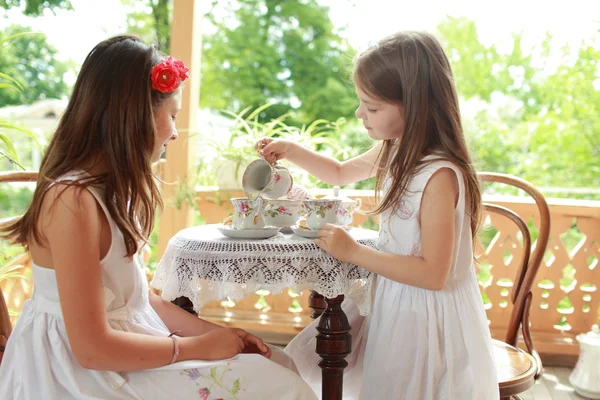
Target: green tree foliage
531	112
35	7
537	114
150	20
287	52
13	201
260	51
30	60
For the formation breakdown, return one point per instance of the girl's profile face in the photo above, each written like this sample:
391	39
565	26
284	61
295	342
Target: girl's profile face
382	120
164	118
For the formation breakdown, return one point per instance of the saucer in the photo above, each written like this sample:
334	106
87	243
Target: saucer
262	233
309	234
286	229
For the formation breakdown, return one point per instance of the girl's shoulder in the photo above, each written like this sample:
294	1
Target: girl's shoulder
437	159
66	197
72	194
69	217
432	163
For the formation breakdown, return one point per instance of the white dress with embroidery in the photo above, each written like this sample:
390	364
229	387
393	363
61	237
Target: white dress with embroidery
39	364
416	343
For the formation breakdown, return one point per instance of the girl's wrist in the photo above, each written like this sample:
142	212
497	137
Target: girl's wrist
176	350
357	254
186	348
292	149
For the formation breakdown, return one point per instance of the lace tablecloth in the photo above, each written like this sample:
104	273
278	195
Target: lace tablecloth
203	265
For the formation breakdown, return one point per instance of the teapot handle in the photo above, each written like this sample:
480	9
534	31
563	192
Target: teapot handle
358	204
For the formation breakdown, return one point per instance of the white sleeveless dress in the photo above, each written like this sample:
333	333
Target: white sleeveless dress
416	343
38	363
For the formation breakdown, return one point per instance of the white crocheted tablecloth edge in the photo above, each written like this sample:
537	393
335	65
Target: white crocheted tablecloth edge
355	284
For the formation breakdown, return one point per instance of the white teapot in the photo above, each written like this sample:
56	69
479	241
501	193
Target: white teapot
347	206
585	377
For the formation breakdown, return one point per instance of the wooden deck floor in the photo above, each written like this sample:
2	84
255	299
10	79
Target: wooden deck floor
554	385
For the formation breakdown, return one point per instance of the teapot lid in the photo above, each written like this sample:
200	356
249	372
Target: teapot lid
592	337
336	195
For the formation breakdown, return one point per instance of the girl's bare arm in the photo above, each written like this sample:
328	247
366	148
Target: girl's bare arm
431	269
72	230
323	167
180	320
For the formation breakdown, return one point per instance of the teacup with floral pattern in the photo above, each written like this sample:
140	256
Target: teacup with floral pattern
248	214
283	213
320	212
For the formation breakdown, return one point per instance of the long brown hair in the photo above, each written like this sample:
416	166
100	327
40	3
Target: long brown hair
110	117
411	69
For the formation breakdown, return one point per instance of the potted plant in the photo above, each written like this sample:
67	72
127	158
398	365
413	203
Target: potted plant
233	154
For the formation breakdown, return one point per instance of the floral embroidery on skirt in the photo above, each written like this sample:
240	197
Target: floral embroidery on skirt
217	383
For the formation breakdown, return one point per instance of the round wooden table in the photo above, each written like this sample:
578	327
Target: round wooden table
201	265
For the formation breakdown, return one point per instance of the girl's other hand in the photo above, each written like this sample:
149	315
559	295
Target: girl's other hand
255	345
273	150
337	242
224	343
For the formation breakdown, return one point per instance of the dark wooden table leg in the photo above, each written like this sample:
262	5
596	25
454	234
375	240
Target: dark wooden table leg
317	303
334	343
186	304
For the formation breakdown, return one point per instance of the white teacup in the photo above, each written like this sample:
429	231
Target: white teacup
347	207
346	211
320	212
270	181
283	213
248	214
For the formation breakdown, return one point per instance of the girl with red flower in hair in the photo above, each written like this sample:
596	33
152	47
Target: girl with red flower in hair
92	329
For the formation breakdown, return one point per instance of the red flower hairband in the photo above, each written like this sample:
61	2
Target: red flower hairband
167	74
